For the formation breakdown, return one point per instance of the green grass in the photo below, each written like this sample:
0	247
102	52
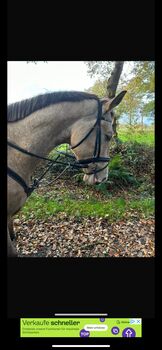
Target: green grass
41	207
145	136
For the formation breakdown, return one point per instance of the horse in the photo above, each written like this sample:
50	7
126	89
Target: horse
39	124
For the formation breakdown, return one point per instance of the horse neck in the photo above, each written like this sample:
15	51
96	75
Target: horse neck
43	130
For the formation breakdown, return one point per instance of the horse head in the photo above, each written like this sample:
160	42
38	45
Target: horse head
91	141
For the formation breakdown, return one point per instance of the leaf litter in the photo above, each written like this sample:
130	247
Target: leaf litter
63	235
69	236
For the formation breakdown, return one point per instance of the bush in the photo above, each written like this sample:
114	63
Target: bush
119	175
138	158
131	163
62	162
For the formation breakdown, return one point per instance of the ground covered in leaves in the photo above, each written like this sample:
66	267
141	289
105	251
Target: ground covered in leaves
44	232
63	236
66	218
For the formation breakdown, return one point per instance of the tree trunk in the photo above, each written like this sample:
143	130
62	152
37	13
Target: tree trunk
114	125
112	85
142	120
114	79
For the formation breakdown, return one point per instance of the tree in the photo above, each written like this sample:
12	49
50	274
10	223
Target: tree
99	69
99	88
139	99
139	83
113	81
108	85
112	84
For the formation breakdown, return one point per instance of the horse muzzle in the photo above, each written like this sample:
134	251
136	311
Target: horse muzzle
95	179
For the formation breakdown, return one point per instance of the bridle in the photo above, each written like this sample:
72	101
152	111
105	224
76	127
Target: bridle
82	163
96	154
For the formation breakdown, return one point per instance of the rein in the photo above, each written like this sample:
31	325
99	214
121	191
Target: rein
28	190
82	163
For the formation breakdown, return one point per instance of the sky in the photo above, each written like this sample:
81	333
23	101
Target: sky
26	80
29	79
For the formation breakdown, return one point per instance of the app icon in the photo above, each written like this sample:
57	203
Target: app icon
102	319
129	333
132	321
84	333
138	321
135	321
115	330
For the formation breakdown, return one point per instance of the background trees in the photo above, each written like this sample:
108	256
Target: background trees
138	78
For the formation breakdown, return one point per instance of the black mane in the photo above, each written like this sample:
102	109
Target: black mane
19	110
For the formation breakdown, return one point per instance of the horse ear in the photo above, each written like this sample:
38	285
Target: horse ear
116	100
109	104
105	104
